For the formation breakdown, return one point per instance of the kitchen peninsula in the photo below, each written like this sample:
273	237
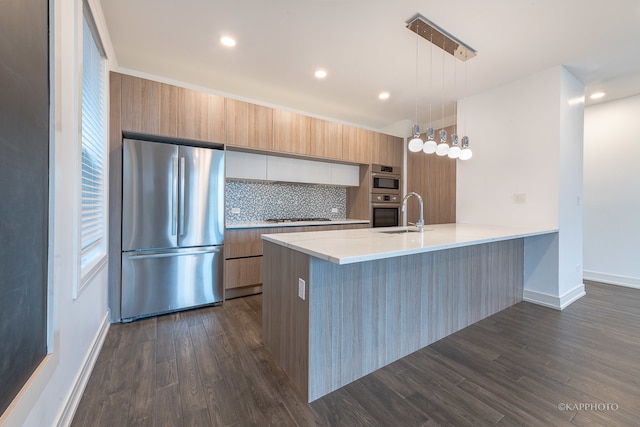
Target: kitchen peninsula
338	305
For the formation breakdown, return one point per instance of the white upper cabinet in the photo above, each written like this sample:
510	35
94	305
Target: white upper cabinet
241	165
347	175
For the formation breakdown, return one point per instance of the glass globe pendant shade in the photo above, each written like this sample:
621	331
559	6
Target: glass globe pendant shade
454	150
429	145
443	148
416	143
465	153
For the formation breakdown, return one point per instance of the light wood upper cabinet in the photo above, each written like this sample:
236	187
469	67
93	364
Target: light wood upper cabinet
291	132
201	116
249	125
326	139
149	107
357	144
387	150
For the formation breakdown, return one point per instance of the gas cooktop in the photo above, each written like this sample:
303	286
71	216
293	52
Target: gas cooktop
296	219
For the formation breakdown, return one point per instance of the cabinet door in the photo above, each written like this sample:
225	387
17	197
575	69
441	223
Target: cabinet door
387	150
242	272
241	165
149	107
357	144
291	132
298	170
345	175
200	116
244	242
326	139
249	125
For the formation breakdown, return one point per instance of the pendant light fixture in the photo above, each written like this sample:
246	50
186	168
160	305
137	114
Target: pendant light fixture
459	149
443	147
430	145
465	153
416	144
454	150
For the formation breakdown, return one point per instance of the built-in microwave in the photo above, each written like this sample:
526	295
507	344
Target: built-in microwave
385	179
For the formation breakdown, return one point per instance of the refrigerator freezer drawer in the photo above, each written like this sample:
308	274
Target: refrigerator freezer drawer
155	282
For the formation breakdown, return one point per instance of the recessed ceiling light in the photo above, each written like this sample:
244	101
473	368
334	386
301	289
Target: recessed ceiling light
597	95
227	41
320	74
383	95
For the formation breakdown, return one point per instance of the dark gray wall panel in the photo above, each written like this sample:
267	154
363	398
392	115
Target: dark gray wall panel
24	175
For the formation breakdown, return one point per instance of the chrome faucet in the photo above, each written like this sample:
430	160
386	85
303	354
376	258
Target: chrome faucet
420	223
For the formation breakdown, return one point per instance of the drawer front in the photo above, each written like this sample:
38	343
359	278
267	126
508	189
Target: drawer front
242	272
242	243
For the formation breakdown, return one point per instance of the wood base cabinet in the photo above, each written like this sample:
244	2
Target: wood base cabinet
243	249
242	272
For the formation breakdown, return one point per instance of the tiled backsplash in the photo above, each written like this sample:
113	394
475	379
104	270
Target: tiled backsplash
259	201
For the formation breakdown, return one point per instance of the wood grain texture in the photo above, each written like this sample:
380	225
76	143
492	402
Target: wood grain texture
326	139
285	317
291	132
364	316
201	116
387	150
359	198
512	368
434	178
357	144
249	125
244	242
241	272
243	251
149	107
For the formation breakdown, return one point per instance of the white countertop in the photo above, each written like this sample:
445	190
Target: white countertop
265	224
351	246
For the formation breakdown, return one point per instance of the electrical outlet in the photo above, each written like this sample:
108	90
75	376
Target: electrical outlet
334	210
301	288
520	198
235	210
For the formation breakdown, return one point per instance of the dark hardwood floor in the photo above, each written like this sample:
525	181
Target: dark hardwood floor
525	366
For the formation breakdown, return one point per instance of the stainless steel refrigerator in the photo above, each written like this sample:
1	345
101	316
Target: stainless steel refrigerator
172	227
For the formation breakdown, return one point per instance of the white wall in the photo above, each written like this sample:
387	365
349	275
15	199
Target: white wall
611	196
77	326
526	137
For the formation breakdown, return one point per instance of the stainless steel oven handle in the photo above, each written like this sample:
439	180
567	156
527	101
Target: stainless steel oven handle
386	205
385	175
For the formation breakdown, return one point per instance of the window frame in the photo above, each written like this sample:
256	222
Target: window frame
94	257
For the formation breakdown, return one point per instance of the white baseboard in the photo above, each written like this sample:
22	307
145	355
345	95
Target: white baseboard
73	398
612	279
553	301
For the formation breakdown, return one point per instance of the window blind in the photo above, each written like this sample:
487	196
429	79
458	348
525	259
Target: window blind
92	221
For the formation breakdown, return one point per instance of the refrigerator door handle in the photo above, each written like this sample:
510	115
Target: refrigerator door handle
172	254
174	196
182	195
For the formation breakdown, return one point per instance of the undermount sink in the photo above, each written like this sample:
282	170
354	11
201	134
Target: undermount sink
402	231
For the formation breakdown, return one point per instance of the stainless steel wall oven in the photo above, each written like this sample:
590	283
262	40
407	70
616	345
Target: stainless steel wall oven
386	190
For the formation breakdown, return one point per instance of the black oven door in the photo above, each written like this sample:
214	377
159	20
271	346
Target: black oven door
386	215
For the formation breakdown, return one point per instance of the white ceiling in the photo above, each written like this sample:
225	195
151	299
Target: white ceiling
366	49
